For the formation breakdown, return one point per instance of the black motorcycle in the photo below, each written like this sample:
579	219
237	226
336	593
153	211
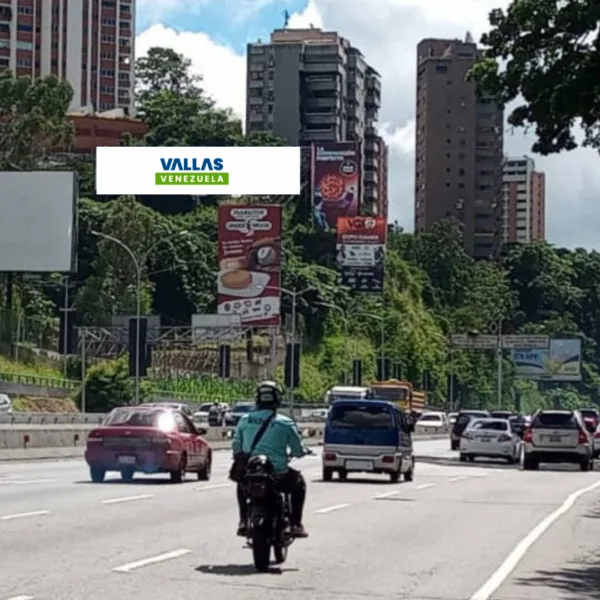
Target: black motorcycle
269	511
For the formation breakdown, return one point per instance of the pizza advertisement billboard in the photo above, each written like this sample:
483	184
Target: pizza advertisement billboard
360	252
336	182
249	274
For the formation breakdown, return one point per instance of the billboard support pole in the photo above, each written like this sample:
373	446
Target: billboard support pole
345	321
500	357
292	356
83	368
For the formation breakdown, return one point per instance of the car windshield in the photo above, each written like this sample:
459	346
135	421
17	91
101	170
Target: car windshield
490	425
555	421
430	418
205	407
242	408
361	417
132	418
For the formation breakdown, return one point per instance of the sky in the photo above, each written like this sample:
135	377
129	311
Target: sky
213	34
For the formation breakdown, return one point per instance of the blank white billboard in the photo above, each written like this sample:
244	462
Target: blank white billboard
38	221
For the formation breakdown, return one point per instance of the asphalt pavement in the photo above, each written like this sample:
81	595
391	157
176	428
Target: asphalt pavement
457	532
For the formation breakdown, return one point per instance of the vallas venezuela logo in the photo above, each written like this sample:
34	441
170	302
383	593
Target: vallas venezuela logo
191	171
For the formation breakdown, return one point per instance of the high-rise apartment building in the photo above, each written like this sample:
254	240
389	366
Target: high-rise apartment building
459	147
90	43
309	85
524	201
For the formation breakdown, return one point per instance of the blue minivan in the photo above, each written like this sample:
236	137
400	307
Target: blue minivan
368	436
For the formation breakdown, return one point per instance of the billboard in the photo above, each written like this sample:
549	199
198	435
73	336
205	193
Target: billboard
250	263
239	170
38	223
361	252
561	361
216	328
336	182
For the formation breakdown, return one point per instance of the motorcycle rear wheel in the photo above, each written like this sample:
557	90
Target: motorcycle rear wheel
261	549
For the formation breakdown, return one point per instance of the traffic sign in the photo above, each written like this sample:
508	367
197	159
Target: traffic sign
474	341
525	342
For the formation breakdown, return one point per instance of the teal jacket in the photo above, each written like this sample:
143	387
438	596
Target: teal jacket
280	435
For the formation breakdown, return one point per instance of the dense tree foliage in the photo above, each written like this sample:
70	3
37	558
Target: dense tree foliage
546	54
433	288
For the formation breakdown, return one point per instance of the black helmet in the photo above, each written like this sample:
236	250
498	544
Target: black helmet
268	395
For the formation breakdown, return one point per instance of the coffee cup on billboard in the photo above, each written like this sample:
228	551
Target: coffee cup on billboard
236	279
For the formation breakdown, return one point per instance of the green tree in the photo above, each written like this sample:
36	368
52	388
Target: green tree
548	53
32	119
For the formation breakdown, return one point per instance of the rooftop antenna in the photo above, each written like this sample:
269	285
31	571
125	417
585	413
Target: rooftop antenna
311	25
468	38
286	19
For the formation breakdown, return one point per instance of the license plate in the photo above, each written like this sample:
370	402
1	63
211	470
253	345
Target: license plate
555	438
126	460
485	439
359	465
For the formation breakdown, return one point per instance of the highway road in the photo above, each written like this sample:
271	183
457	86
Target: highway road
445	536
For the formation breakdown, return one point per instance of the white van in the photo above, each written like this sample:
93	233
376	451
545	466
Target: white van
345	392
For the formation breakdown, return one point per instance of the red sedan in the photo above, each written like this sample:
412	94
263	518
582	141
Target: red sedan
148	440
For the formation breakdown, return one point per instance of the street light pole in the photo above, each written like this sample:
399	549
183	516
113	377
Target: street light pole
382	343
345	321
294	295
138	295
500	363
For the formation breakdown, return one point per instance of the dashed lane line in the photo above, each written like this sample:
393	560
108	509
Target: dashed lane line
138	564
328	509
36	513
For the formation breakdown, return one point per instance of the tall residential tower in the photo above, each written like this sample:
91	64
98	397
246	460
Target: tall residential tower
459	147
90	43
309	85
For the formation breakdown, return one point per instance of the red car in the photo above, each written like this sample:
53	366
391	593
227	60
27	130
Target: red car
139	439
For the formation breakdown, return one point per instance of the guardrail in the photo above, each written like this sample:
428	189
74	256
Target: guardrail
39	380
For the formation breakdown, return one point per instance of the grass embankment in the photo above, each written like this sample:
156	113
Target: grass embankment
18	368
43	405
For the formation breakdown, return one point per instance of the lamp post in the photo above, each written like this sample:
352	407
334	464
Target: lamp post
382	321
294	295
345	321
138	294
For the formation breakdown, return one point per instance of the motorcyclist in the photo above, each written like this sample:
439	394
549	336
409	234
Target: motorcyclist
281	435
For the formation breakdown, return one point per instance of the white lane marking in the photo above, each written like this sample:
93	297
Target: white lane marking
521	549
21	598
455	479
425	486
36	513
216	486
328	509
152	560
128	499
27	481
386	495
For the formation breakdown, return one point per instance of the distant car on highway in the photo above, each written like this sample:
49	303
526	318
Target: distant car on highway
557	436
180	406
435	420
490	438
5	404
452	417
501	414
148	439
237	412
462	420
319	414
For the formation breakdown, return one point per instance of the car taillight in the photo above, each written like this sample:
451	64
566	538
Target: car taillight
330	457
528	436
504	438
583	437
467	436
160	441
95	437
388	459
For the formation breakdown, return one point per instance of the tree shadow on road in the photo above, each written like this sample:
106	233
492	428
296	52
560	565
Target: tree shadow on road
576	580
238	570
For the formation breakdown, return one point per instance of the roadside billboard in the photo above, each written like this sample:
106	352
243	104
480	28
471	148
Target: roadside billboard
336	182
249	274
38	226
561	361
361	252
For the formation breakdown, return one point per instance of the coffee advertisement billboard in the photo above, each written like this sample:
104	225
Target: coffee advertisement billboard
361	252
249	274
336	182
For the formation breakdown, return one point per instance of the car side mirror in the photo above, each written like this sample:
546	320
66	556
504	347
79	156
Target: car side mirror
201	430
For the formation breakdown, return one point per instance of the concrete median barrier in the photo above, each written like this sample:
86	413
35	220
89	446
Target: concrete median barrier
30	442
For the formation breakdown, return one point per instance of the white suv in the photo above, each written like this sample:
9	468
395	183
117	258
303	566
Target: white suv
557	436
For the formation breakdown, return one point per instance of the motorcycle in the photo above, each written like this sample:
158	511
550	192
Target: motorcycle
269	514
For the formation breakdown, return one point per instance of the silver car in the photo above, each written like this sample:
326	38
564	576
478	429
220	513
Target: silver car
557	436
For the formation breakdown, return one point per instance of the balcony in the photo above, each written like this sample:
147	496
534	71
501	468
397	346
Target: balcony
325	67
321	119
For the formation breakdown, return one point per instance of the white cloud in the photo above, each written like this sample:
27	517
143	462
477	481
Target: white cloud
223	71
387	32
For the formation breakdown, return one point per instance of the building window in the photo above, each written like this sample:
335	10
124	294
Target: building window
22	27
